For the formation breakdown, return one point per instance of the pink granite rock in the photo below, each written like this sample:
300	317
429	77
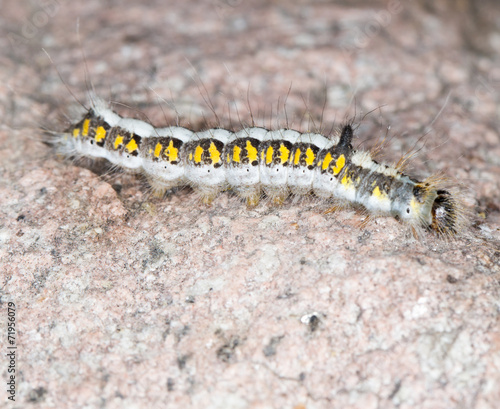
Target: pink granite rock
128	301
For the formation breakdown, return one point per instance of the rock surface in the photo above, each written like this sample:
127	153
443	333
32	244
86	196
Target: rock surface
127	301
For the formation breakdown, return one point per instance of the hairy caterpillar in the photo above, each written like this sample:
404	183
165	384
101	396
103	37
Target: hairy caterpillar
255	160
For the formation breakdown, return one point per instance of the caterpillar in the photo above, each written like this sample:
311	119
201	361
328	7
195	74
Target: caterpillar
256	160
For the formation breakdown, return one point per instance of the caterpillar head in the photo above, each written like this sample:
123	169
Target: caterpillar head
445	214
431	208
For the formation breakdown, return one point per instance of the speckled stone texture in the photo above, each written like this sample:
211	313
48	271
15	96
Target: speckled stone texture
128	301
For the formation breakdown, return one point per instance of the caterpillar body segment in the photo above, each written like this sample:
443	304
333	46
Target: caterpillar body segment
303	171
162	161
242	158
124	142
204	169
275	160
255	160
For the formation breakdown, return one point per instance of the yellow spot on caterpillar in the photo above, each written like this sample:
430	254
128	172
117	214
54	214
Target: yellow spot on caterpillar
214	153
262	155
171	152
310	157
339	165
190	156
377	193
100	134
85	128
228	158
346	181
236	154
118	141
284	154
326	161
269	155
297	157
76	132
131	146
197	154
150	151
158	149
415	206
252	152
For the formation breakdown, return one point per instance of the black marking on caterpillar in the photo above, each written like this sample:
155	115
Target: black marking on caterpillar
255	160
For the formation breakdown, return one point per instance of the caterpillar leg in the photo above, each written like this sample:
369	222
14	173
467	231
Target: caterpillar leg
278	200
277	196
159	192
207	198
253	200
159	187
251	194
